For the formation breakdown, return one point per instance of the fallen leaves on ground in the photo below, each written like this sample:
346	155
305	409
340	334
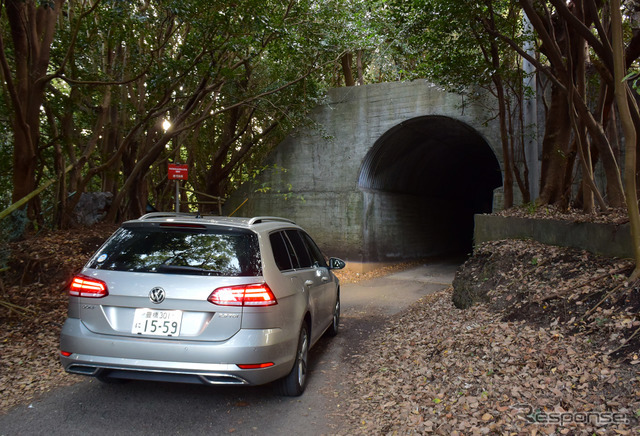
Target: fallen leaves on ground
521	355
348	275
616	216
40	266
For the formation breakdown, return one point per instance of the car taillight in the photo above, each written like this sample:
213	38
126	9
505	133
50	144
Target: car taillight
82	286
255	365
243	295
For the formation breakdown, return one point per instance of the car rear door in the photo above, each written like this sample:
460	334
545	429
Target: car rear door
326	279
159	281
316	281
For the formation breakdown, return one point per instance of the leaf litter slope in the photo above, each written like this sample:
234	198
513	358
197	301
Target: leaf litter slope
549	335
39	268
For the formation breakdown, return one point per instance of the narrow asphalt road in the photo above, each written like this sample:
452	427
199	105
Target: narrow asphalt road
146	408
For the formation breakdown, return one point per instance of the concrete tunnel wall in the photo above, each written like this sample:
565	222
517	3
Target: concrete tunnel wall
423	181
391	171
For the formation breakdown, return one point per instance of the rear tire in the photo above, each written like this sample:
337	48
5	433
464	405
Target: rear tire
294	383
335	324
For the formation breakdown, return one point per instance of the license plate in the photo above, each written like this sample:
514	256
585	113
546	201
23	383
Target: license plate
157	322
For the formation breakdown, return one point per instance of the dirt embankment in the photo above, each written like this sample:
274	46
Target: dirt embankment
33	306
547	343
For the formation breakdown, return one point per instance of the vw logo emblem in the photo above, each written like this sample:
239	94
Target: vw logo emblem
156	295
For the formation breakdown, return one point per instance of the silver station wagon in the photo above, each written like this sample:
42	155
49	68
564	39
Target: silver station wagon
211	300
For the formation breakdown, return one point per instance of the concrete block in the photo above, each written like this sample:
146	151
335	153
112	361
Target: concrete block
603	239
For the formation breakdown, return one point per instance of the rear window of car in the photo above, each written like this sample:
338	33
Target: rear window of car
293	249
302	259
316	255
168	250
280	251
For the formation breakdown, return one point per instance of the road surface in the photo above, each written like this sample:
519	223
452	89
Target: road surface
147	408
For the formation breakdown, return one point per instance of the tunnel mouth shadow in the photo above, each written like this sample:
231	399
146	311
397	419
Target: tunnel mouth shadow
422	182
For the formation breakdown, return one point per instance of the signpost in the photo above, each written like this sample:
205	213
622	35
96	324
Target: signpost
178	172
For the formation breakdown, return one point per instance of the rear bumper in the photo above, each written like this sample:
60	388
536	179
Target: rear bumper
178	360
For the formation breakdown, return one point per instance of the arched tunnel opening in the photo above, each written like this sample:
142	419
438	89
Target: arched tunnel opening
423	181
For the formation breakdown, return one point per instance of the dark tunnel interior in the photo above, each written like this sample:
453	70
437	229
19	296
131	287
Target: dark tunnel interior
423	181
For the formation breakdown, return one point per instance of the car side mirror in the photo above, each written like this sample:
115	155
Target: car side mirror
335	263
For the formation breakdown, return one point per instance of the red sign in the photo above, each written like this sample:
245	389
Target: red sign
178	171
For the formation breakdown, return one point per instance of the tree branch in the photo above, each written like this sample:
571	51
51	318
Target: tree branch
581	29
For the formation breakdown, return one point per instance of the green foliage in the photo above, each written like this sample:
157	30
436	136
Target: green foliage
119	70
448	42
633	77
531	207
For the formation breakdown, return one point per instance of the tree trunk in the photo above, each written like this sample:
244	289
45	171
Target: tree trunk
504	136
227	139
579	54
32	30
360	68
621	93
346	61
615	192
555	148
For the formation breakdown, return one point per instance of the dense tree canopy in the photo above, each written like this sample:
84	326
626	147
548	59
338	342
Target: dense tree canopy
124	87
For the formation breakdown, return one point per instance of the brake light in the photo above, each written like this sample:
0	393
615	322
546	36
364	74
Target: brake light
82	286
256	365
66	353
184	225
243	295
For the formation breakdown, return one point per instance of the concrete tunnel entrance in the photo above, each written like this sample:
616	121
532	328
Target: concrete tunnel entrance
422	181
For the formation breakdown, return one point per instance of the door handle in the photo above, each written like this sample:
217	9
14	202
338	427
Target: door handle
308	283
325	278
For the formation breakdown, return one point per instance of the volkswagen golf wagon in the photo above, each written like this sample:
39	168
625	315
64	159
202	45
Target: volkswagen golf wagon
211	300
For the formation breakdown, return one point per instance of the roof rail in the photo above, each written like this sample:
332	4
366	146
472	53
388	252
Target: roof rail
262	219
165	214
